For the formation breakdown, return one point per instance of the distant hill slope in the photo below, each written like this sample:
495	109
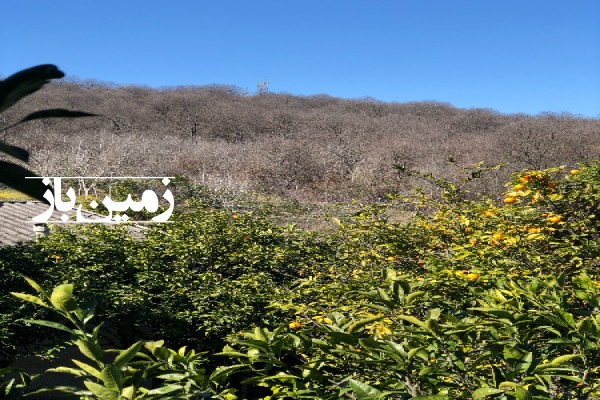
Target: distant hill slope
315	148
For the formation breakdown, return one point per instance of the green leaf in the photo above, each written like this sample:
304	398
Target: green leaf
396	348
498	312
62	298
14	151
413	296
35	285
172	377
66	370
482	393
128	392
412	352
510	353
282	377
416	321
153	346
434	313
166	389
88	369
126	355
89	349
507	385
234	354
26	82
260	334
344	338
224	372
382	294
558	361
522	394
524	363
430	397
50	324
101	392
111	377
364	391
30	298
61	389
362	323
56	113
562	359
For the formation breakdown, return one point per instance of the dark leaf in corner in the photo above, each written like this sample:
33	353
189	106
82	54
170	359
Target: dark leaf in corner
14	151
23	83
14	176
56	113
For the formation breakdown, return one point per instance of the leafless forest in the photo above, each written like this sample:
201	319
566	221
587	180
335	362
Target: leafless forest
315	148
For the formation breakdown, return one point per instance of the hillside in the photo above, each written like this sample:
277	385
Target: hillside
315	148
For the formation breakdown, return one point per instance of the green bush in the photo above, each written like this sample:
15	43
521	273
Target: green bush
470	299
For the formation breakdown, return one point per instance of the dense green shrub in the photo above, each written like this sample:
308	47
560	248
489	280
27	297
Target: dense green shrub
193	281
468	300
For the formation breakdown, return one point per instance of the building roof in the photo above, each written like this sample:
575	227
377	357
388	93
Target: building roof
16	225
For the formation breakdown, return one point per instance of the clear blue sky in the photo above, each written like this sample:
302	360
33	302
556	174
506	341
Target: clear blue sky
525	56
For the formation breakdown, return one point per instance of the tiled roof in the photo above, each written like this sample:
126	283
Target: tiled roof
16	225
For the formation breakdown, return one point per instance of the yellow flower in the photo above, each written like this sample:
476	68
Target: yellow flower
574	171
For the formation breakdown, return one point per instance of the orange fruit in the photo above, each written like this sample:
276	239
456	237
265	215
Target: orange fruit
510	199
574	171
519	187
472	276
392	258
420	263
555	219
488	213
294	325
497	236
524	178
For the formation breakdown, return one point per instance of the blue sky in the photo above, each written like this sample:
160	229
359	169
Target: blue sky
525	56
